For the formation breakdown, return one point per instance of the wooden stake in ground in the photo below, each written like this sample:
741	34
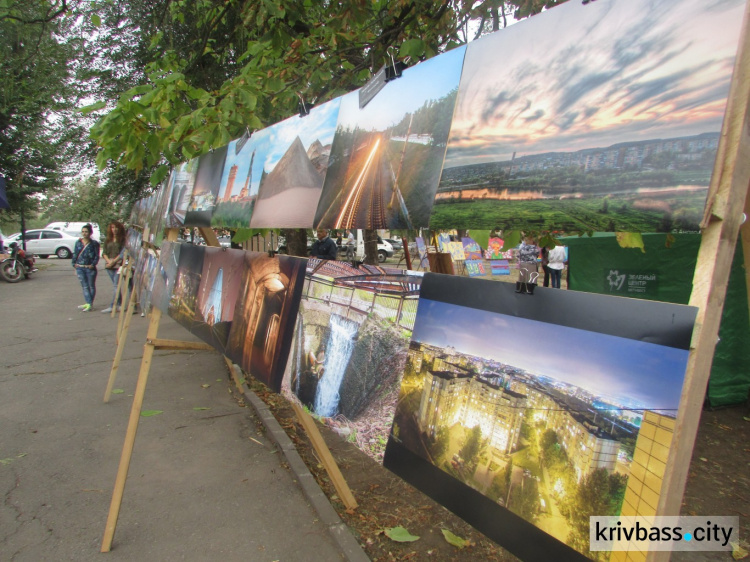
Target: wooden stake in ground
120	347
326	458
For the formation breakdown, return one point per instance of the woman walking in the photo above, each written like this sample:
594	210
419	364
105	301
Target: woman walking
112	254
85	258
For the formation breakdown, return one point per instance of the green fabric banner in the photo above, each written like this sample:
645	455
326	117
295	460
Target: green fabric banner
598	264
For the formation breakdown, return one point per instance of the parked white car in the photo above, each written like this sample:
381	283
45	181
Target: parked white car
45	242
74	229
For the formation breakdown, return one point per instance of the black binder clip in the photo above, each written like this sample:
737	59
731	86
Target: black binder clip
303	108
394	70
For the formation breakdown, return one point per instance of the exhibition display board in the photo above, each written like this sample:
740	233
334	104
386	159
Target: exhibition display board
618	115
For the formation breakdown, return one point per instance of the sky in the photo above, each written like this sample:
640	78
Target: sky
608	366
271	143
584	76
429	80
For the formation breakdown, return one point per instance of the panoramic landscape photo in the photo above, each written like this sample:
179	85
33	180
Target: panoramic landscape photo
386	157
553	423
602	117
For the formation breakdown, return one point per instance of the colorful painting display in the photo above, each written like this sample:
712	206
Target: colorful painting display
495	248
350	346
206	187
182	181
386	157
522	438
456	250
264	316
500	267
475	268
599	116
472	251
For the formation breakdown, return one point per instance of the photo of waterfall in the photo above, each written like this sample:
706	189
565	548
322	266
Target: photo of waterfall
350	345
264	314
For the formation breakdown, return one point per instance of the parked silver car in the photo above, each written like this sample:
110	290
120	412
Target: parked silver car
45	242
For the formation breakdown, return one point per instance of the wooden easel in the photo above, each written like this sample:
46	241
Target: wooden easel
119	296
153	343
727	197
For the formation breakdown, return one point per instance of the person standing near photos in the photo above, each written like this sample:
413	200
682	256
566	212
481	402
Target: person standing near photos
85	258
528	251
324	247
349	245
556	265
114	246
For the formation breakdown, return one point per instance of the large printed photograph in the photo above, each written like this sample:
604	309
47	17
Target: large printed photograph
206	188
349	348
274	177
600	116
206	290
549	414
266	309
182	181
386	157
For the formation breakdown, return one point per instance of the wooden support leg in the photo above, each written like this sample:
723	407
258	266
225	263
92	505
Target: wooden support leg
329	463
127	449
118	293
131	301
120	347
236	374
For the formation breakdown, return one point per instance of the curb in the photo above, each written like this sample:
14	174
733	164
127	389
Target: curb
336	527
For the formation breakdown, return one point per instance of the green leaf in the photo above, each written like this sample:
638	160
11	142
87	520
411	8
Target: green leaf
117	391
511	239
411	47
149	413
399	534
455	540
93	107
630	240
201	408
159	174
96	21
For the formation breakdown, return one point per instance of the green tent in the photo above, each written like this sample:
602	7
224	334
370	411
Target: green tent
599	265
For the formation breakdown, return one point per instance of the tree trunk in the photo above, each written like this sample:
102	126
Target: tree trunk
296	241
371	247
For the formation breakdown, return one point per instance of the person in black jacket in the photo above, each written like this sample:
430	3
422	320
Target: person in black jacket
324	247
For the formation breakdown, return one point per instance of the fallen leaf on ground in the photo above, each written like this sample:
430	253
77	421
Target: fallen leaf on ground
455	540
117	391
201	408
399	534
738	553
149	413
205	385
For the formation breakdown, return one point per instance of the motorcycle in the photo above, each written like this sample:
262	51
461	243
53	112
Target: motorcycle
17	266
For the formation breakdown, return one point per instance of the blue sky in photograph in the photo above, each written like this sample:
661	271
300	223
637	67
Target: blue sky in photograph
585	76
605	365
271	143
429	80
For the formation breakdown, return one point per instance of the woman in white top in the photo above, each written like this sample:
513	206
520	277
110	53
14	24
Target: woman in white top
556	265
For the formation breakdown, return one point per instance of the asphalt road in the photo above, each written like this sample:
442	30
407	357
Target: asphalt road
204	482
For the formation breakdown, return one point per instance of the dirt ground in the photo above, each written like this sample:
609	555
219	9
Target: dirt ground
719	483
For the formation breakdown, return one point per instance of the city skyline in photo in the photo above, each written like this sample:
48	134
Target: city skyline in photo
595	75
607	366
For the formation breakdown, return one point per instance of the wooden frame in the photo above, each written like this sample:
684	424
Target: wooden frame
727	196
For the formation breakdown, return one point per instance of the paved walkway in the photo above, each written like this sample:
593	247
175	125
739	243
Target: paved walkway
204	483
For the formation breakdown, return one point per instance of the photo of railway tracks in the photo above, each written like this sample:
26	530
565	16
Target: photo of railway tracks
386	158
